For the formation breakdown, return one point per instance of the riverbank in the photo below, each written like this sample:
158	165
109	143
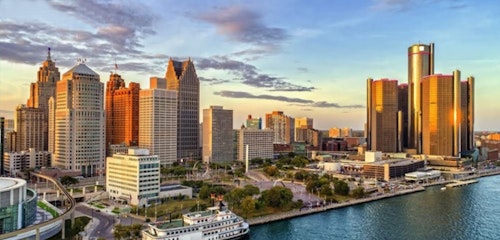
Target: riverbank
303	212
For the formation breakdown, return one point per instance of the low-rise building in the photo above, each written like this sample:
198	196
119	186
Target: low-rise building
134	177
17	205
15	162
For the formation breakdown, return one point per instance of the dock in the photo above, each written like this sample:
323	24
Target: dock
459	183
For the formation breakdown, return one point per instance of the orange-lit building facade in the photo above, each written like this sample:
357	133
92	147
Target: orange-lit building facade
122	112
382	113
282	125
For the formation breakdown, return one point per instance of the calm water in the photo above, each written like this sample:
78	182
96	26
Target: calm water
468	212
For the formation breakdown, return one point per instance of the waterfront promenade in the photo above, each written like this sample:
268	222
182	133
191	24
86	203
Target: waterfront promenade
303	212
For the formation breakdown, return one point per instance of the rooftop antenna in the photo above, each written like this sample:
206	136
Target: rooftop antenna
116	65
48	55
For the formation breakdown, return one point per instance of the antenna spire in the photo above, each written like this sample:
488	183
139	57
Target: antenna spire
48	55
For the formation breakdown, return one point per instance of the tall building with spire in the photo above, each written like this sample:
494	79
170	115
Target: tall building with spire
382	112
181	77
420	64
122	112
42	90
79	123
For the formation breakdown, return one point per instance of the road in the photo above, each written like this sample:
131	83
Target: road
106	222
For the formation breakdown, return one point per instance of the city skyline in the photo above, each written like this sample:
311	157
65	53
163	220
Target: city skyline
307	60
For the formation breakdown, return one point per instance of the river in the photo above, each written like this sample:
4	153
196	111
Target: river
467	212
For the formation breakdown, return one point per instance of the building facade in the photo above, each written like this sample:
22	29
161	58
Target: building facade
133	177
420	64
282	125
158	122
17	205
382	113
31	128
122	112
259	142
79	125
217	134
16	162
254	123
181	77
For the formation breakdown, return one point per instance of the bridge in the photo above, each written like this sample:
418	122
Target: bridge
69	213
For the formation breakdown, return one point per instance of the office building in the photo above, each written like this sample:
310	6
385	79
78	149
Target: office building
259	142
133	177
420	64
122	112
283	127
302	123
16	162
2	143
17	205
79	125
254	123
217	134
382	115
158	121
181	77
10	125
446	118
30	128
403	110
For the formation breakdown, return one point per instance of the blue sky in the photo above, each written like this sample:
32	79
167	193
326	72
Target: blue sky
306	58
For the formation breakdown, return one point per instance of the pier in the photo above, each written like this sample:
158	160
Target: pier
461	183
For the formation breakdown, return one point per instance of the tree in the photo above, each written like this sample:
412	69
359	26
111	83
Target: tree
248	205
341	188
251	190
277	197
359	192
204	192
271	171
68	181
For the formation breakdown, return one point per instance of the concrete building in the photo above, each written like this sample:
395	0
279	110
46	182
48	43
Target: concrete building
15	162
40	93
447	115
158	121
133	177
10	125
403	110
31	129
260	143
283	127
181	77
254	123
2	143
122	112
17	205
382	115
175	190
79	125
302	123
420	64
217	134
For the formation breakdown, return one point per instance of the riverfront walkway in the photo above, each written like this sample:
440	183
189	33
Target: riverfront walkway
303	212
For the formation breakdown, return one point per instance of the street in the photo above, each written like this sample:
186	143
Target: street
106	222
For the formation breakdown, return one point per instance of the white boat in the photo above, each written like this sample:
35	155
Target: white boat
213	224
443	188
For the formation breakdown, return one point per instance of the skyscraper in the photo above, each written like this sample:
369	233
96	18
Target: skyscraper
31	128
217	135
302	123
158	121
441	110
420	64
122	112
42	90
79	122
2	143
282	125
382	112
254	123
403	110
181	77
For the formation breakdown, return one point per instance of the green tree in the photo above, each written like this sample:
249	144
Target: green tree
341	188
359	192
204	192
277	197
248	206
68	181
251	190
271	170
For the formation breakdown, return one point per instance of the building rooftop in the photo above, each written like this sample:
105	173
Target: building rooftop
8	183
81	68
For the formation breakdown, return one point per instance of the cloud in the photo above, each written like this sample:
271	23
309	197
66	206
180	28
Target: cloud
295	101
244	25
249	74
303	69
6	112
406	5
213	81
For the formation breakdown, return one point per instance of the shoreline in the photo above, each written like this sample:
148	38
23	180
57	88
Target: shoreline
304	212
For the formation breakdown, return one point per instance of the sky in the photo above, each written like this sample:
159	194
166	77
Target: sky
305	58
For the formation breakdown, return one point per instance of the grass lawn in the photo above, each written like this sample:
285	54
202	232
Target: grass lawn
48	209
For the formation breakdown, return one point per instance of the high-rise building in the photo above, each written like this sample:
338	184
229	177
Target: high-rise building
158	121
445	111
403	110
122	112
382	112
259	142
302	123
41	91
420	64
2	142
79	141
10	125
181	77
334	132
254	123
282	125
30	128
217	135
